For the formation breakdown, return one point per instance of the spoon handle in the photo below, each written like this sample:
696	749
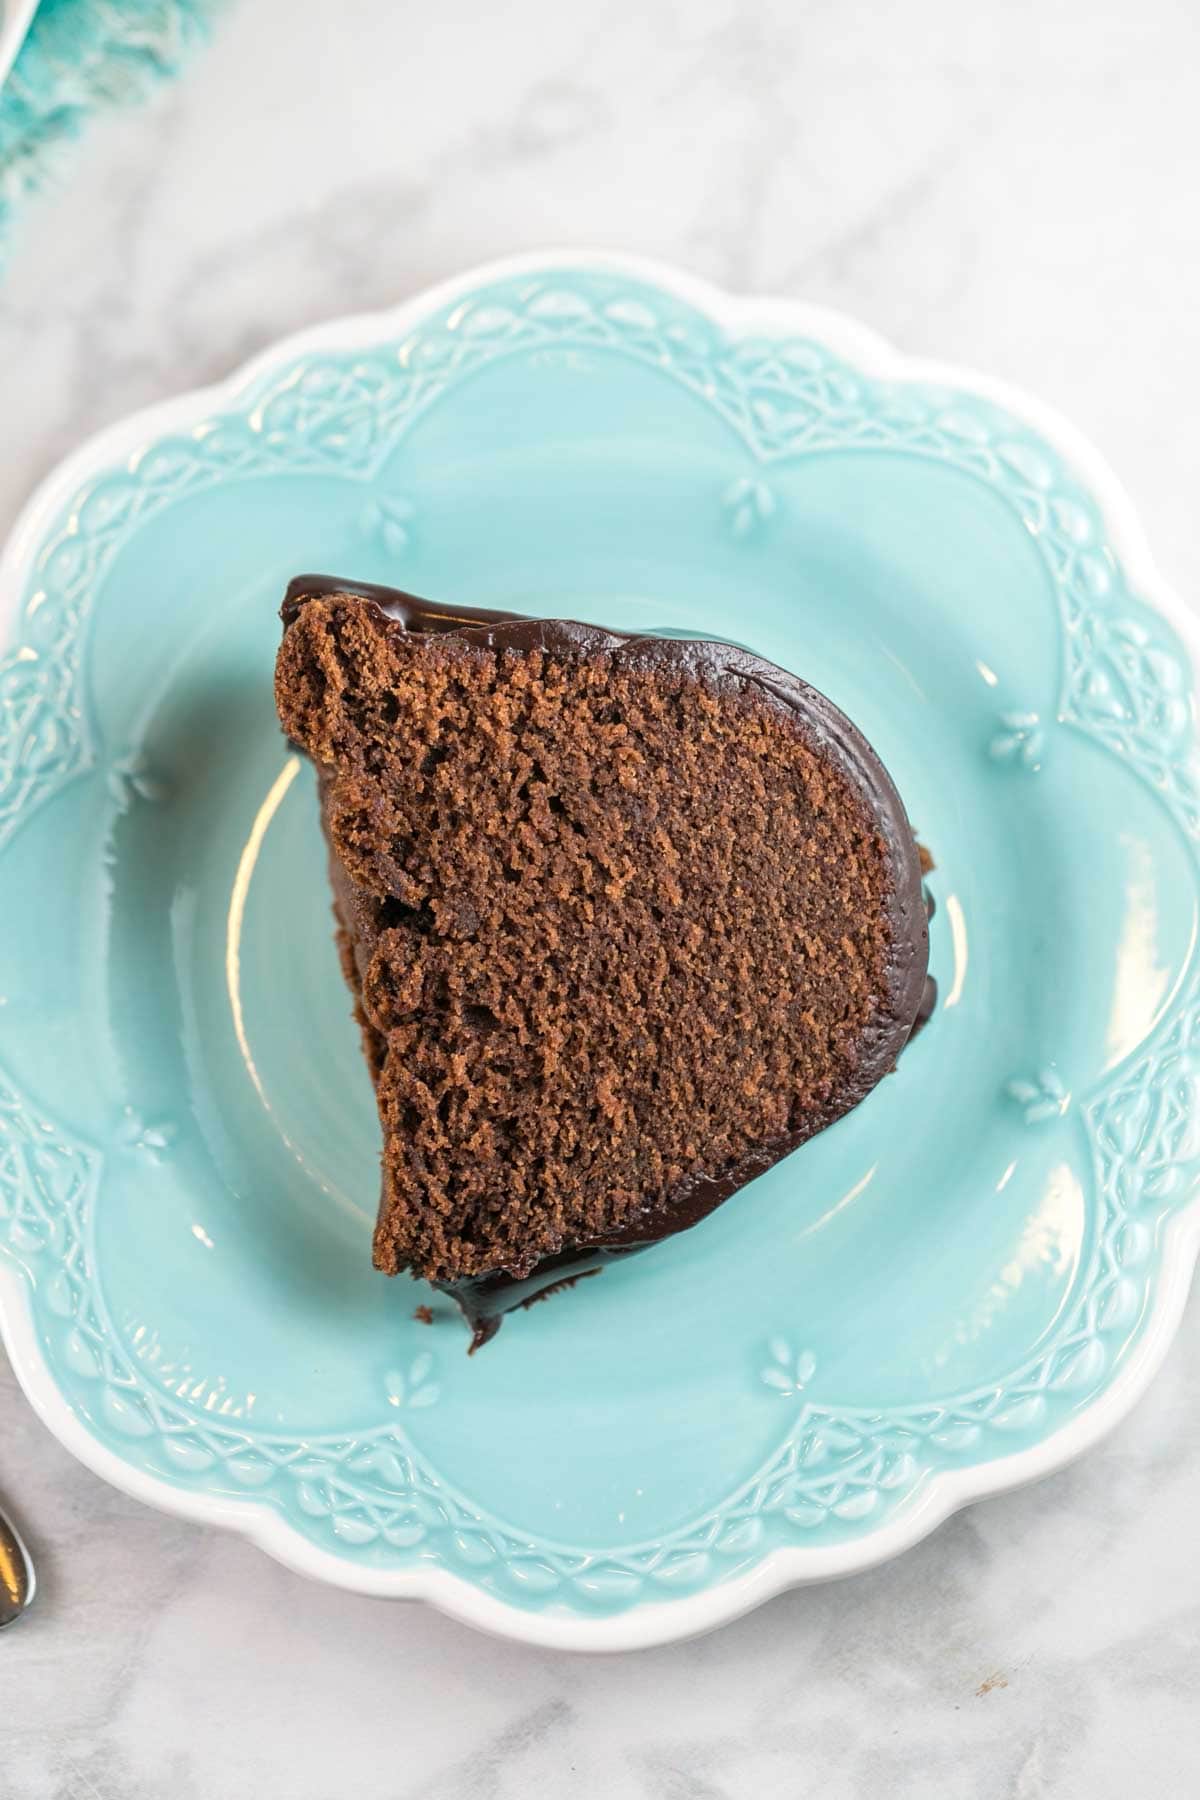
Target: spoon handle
17	1579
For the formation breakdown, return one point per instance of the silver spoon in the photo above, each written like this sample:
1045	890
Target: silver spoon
18	1583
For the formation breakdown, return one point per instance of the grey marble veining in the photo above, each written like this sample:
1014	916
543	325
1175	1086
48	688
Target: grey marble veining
1017	194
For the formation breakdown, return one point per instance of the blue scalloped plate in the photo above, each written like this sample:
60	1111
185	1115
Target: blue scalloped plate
955	1288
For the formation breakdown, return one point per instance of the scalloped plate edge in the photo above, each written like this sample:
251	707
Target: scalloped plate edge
944	1493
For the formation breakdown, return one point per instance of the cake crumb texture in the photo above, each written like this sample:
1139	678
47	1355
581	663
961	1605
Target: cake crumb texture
611	927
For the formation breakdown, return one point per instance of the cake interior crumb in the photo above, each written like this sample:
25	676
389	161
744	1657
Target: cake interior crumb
610	927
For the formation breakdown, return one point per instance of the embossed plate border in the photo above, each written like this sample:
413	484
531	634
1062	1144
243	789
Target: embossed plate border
944	1490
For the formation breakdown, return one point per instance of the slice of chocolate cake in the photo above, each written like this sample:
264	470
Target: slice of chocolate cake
626	920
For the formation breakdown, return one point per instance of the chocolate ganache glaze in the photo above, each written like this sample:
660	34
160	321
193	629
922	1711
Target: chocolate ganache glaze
911	992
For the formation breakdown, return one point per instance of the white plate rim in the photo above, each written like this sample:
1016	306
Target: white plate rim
14	29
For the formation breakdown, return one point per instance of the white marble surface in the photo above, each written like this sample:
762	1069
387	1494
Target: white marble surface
1011	185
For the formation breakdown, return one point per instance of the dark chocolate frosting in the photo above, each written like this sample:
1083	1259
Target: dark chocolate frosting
408	610
911	992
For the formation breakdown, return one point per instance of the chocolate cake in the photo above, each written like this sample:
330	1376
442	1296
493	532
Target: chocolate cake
626	920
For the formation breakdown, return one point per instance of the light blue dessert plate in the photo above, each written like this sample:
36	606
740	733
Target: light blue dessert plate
956	1288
